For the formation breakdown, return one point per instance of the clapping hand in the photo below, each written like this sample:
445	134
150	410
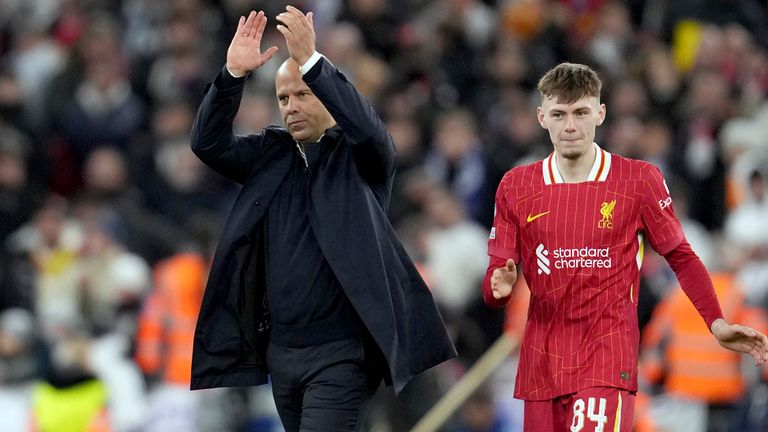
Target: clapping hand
299	33
244	53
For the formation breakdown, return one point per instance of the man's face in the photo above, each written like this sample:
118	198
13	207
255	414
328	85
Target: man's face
571	126
303	114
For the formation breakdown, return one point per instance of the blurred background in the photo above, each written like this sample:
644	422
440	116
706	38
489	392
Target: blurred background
108	221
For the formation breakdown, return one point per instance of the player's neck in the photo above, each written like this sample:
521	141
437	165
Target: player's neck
576	170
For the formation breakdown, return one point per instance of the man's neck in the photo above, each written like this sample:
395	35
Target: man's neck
576	170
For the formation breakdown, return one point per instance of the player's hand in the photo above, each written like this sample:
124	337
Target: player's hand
244	53
299	32
502	280
743	339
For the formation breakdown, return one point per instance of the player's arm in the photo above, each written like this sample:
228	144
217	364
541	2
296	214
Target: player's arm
697	285
502	250
666	236
695	282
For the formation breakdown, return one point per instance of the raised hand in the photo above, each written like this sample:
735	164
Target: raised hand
299	33
743	339
502	280
244	53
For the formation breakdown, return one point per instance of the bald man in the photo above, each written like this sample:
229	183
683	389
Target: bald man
309	285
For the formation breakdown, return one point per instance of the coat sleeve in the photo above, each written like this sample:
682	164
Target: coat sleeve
212	137
372	146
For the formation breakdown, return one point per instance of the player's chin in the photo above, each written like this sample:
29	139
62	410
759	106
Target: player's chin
571	153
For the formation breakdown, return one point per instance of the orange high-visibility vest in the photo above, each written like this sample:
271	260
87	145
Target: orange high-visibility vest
167	322
678	345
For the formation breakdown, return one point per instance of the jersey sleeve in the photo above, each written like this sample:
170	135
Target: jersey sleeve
695	281
503	240
662	228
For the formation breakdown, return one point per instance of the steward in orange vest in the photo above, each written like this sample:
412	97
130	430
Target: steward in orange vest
167	323
679	348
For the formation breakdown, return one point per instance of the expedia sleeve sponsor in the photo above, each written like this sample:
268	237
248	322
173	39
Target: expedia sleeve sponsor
660	224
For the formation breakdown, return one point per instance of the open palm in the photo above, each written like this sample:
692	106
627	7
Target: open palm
743	339
244	53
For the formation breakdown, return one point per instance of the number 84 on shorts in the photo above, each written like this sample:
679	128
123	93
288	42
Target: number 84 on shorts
595	409
601	409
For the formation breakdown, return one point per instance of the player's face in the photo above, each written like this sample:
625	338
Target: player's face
571	126
303	114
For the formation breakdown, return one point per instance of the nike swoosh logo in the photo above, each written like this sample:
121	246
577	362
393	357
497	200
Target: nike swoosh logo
532	218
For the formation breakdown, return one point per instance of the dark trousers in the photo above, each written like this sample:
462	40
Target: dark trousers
326	387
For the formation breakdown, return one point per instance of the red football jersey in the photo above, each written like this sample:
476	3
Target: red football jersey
580	247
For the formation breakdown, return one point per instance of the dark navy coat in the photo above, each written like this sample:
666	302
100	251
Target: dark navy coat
349	194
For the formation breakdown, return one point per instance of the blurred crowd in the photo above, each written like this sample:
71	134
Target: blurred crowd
107	220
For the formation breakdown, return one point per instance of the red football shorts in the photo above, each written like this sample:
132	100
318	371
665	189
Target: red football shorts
594	409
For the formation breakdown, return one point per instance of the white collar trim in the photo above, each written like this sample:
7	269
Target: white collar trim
599	171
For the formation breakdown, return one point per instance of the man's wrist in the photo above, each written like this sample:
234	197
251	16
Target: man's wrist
234	73
313	59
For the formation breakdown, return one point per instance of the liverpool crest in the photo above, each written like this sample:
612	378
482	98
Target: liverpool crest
606	210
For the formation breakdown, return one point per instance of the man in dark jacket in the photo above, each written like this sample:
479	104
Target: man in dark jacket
309	283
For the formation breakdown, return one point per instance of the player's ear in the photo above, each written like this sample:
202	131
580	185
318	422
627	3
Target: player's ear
540	117
601	114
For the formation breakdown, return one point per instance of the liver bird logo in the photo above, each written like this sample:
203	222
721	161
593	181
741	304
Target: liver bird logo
606	209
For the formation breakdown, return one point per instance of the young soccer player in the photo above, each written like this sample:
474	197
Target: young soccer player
577	223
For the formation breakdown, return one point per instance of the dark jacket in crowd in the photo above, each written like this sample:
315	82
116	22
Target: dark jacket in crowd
349	194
